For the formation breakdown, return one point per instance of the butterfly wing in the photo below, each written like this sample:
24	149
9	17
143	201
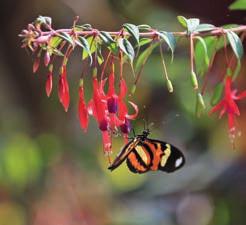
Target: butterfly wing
140	159
127	149
166	157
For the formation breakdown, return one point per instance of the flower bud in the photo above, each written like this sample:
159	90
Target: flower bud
194	80
46	58
112	104
125	127
36	64
169	86
103	125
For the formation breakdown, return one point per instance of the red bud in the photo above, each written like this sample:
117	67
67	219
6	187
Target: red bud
49	84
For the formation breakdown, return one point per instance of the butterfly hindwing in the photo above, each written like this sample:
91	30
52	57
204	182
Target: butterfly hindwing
137	160
171	158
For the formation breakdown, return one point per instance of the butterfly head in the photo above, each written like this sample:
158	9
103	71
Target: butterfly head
145	134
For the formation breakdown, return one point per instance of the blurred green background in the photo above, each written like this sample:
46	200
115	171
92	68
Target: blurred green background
51	173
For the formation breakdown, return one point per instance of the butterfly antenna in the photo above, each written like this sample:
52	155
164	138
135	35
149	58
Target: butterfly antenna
133	131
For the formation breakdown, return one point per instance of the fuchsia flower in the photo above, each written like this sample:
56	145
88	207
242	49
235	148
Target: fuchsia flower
49	84
228	105
36	64
112	102
124	117
82	109
63	88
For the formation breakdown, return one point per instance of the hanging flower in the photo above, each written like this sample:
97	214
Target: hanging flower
124	117
228	105
82	109
49	84
112	101
63	89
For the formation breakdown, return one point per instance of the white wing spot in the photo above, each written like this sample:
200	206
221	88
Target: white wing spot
178	162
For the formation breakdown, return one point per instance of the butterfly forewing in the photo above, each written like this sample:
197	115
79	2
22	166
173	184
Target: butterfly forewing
127	149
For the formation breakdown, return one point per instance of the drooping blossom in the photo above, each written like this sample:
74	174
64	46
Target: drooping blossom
82	109
98	108
63	88
124	117
36	64
112	101
228	105
49	83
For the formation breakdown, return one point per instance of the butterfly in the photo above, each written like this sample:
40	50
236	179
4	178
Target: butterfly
143	154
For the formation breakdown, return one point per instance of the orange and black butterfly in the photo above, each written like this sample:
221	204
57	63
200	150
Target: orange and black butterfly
143	154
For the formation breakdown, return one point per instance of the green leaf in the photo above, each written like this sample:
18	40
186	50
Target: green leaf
133	30
204	27
100	58
142	58
237	69
55	41
144	41
127	48
144	27
66	37
189	24
235	43
182	20
82	42
192	24
108	41
238	5
57	52
106	37
90	49
201	56
217	95
169	39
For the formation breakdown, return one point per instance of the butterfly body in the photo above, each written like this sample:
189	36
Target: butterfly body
143	154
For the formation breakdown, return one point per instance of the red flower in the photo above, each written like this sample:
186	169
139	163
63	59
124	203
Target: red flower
229	106
63	89
82	110
49	84
123	115
36	64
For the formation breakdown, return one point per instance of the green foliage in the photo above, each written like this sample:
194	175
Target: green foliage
169	39
238	5
127	48
133	30
235	43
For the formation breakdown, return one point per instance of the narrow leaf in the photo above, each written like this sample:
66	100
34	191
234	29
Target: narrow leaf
82	42
127	48
144	41
144	27
192	24
238	5
55	41
201	56
169	39
133	30
142	58
218	91
235	43
204	27
66	37
182	20
109	41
